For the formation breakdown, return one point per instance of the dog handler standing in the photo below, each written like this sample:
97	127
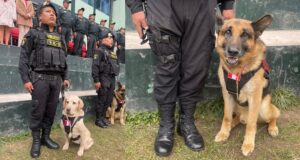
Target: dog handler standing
105	68
43	67
181	35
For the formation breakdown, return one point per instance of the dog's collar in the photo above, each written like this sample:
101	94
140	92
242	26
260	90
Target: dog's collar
69	123
234	83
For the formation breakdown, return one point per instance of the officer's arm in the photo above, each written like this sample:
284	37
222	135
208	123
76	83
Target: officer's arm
59	13
135	5
26	51
96	66
65	75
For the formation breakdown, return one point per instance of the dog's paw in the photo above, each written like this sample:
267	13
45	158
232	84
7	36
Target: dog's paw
122	123
80	153
112	122
221	136
273	131
65	147
247	149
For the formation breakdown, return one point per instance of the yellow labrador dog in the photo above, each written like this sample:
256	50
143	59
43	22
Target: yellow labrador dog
73	126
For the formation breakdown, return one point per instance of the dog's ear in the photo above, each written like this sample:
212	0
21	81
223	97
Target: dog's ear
219	19
261	24
65	101
80	104
119	84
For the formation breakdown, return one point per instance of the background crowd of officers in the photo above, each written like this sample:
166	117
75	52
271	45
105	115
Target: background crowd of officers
77	28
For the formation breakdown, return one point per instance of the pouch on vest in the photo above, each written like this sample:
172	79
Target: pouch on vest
47	56
62	58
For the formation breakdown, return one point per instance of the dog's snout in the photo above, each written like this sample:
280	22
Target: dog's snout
68	110
233	51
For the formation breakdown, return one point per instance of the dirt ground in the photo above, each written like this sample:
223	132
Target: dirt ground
136	143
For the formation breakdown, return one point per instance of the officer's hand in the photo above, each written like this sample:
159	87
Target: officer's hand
29	87
228	14
59	29
97	86
75	34
139	21
66	83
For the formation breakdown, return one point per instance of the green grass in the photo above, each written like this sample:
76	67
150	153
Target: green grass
135	141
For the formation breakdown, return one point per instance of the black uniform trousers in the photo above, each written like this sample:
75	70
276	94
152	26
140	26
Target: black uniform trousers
183	33
45	98
121	55
67	32
78	42
91	45
105	95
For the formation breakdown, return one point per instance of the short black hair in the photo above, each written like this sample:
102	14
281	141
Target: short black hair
45	6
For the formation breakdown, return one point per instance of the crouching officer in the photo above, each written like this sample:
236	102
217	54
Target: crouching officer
104	69
42	67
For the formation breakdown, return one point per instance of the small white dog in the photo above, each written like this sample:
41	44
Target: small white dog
73	126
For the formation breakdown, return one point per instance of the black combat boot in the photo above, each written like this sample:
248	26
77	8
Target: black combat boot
36	144
99	120
187	129
165	137
47	141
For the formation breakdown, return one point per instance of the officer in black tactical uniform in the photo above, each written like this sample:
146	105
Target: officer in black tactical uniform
80	29
43	66
93	35
66	21
181	35
121	45
104	69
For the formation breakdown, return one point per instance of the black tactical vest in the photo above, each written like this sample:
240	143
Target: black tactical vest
49	53
67	18
111	65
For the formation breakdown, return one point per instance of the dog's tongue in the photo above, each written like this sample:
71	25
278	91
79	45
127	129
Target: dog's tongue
232	60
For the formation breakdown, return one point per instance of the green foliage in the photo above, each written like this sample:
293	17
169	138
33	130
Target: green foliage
142	118
284	98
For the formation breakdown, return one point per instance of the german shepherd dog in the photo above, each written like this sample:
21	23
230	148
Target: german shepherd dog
117	108
243	75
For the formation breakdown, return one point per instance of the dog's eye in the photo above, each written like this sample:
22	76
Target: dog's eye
227	33
67	102
244	35
74	102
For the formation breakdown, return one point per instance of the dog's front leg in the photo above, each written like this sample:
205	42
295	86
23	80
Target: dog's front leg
249	139
66	145
122	115
229	105
81	147
112	116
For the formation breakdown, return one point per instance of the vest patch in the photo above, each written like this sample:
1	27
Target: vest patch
113	55
53	43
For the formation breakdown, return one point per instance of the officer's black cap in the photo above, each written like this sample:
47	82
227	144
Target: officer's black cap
82	9
67	1
92	15
105	32
103	20
47	5
112	23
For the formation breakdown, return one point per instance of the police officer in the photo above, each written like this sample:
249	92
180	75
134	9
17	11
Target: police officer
43	66
93	35
102	22
66	21
181	35
104	69
121	45
80	29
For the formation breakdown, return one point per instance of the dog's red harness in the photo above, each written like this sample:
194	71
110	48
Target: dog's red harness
69	123
234	83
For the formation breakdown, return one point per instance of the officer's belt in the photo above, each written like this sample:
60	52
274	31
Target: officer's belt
52	77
